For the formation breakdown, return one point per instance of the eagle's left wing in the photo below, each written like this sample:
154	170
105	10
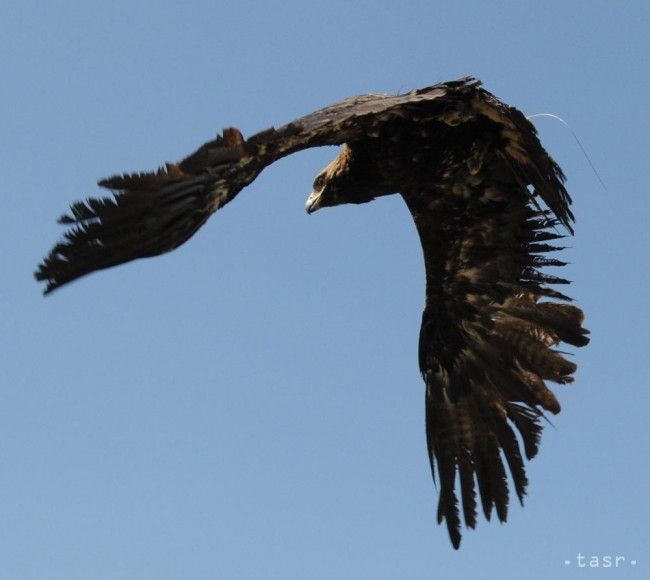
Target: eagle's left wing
491	320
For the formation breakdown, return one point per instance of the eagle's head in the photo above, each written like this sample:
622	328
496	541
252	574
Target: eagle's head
347	179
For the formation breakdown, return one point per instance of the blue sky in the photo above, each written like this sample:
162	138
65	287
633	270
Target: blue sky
250	406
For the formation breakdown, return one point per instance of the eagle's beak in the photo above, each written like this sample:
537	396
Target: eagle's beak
312	203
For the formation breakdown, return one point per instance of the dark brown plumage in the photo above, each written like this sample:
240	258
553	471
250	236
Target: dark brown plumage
487	202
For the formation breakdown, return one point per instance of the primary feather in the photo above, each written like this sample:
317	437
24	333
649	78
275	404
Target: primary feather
486	199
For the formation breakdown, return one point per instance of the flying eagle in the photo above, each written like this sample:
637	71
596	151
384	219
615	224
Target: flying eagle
487	202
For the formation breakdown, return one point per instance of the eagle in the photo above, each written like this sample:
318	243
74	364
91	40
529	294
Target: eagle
488	204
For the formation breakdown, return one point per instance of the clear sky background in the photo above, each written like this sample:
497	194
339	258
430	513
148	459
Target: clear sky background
250	405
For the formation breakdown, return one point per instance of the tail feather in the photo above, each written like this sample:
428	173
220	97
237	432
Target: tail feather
467	489
510	446
526	419
564	319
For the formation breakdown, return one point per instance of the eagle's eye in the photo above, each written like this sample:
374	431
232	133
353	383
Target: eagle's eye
319	182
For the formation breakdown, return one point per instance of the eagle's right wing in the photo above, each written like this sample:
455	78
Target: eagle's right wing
152	213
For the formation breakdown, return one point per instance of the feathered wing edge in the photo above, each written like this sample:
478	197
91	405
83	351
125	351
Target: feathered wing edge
148	214
494	388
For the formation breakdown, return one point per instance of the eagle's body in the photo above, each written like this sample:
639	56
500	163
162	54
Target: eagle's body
473	175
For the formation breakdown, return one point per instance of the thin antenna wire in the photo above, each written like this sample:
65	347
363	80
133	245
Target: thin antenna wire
561	120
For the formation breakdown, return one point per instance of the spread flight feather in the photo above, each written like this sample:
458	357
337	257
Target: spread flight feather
488	203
